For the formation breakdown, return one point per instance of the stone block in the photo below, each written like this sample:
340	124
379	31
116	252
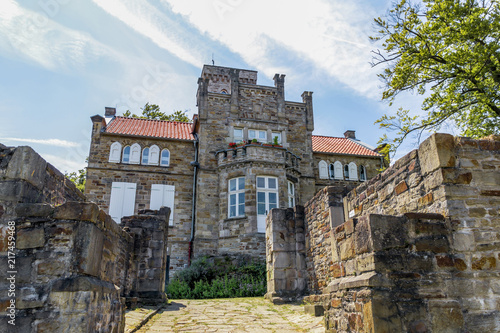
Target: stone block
362	236
30	238
27	165
437	151
88	249
388	232
282	260
433	244
400	187
346	248
34	210
336	216
446	316
80	211
314	309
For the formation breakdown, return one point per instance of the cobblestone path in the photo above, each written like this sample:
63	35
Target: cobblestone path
232	315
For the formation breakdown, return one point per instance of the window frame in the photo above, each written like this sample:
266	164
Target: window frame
145	153
237	138
291	194
322	165
161	158
257	135
278	134
238	193
128	155
362	173
115	152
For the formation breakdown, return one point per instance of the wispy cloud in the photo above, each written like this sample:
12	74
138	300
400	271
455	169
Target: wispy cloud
63	164
148	21
37	38
332	35
49	142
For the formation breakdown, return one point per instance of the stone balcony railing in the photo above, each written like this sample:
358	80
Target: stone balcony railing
258	153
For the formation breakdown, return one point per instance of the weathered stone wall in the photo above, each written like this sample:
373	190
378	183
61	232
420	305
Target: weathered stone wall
420	272
101	174
69	267
285	255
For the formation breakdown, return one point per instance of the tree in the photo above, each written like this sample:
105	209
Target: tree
78	179
449	52
152	111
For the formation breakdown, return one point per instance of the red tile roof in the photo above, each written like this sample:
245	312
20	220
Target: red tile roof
152	128
328	144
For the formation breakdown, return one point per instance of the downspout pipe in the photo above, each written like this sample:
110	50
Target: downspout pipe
196	165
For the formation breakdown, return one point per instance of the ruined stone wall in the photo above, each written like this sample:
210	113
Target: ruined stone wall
68	267
101	174
285	255
433	269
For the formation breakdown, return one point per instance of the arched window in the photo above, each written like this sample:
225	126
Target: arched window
331	171
346	172
223	91
353	171
115	152
165	157
145	156
126	155
362	173
154	155
135	154
323	170
338	170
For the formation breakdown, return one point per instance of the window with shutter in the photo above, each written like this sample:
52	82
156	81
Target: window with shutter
163	196
122	202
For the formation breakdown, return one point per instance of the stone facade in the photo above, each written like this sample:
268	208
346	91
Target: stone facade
66	266
232	111
430	264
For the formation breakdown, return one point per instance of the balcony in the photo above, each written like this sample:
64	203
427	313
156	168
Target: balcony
258	153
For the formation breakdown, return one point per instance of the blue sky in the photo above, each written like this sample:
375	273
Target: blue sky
62	61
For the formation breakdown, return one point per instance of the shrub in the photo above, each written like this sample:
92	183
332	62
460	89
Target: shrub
209	279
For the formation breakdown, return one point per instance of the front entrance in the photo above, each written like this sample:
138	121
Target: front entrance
267	199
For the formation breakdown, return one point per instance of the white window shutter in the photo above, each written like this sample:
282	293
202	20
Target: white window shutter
163	196
122	202
323	170
338	170
115	152
135	154
169	200
154	155
353	171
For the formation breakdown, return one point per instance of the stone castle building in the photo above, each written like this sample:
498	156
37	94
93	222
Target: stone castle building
247	151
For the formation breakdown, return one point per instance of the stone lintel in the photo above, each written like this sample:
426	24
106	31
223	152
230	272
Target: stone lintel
369	279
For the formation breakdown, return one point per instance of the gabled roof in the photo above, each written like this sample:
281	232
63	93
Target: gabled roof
332	145
150	128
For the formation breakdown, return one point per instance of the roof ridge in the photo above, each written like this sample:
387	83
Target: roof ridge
326	136
167	121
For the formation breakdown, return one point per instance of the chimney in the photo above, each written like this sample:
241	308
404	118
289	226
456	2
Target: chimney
109	112
350	134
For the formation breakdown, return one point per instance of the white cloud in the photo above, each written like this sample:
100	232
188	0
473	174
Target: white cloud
151	23
49	142
35	37
333	35
63	164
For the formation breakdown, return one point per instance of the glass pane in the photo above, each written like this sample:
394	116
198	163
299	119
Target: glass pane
126	154
165	157
232	199
273	199
261	182
251	134
145	156
275	134
272	182
238	133
261	197
241	183
232	211
262	135
232	185
261	209
241	209
241	198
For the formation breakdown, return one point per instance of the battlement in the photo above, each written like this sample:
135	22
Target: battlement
219	78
